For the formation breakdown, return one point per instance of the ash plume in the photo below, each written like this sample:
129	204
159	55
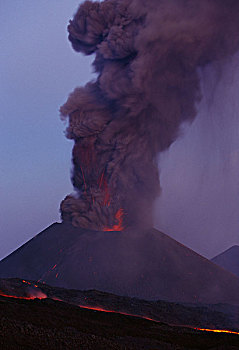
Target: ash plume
147	54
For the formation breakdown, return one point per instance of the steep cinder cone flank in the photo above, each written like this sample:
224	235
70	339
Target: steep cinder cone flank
146	264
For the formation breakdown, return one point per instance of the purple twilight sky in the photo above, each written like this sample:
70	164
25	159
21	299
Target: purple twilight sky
199	174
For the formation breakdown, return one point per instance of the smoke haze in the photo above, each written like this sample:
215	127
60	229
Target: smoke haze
147	56
199	201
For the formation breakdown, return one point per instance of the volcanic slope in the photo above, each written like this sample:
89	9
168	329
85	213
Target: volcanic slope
148	265
50	324
229	260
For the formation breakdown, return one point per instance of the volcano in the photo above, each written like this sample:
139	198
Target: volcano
146	264
229	260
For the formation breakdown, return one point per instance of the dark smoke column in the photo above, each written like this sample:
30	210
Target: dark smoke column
147	53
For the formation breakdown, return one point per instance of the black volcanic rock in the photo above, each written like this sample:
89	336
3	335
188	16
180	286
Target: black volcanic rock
147	264
229	260
215	316
49	324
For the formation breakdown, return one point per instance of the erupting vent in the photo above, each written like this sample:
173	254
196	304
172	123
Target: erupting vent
147	55
145	264
119	218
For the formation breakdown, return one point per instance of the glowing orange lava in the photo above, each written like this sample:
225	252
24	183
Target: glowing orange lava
34	294
35	285
38	295
94	308
216	330
41	295
26	282
119	226
16	297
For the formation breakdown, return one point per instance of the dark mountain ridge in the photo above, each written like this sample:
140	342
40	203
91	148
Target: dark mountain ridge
146	264
229	260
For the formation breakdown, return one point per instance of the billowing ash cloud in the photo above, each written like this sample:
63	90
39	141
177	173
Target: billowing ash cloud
146	55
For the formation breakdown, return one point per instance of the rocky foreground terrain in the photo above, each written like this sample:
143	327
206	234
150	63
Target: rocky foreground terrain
55	321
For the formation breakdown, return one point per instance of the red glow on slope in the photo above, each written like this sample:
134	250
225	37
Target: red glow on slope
216	330
151	319
34	294
46	274
119	226
94	308
26	282
41	295
31	297
35	285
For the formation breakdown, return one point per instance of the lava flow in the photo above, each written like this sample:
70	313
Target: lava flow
115	312
119	226
34	294
151	319
216	330
41	295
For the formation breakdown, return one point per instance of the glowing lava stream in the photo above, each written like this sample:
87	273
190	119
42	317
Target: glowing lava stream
215	330
115	312
39	295
44	296
151	319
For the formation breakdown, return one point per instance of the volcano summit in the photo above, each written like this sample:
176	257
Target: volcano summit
146	264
